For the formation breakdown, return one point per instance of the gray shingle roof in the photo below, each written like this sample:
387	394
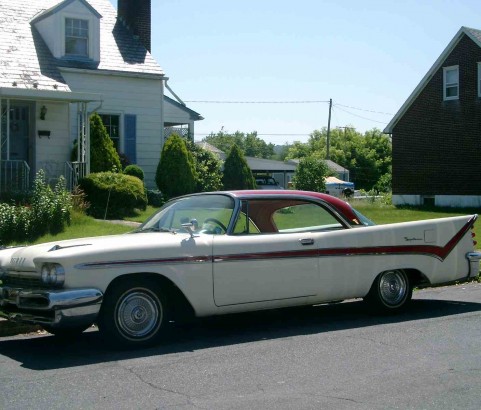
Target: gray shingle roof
26	60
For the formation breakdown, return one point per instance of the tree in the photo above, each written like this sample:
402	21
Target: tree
367	157
249	143
310	174
176	170
208	168
237	174
103	155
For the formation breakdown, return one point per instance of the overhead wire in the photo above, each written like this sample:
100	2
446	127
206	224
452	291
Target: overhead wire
340	107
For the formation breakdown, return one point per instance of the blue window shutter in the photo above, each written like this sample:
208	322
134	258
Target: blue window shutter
130	140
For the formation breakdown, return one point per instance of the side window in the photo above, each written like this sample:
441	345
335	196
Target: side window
451	82
305	217
112	125
244	225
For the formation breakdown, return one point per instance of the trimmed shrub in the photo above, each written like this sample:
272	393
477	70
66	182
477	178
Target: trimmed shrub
155	198
103	156
176	174
113	195
135	171
237	174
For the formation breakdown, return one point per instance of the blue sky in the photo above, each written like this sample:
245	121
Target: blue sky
367	56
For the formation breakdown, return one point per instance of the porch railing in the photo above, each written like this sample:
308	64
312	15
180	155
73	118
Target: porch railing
14	176
73	172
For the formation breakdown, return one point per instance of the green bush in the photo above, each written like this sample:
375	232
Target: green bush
208	168
46	211
176	173
113	195
103	156
237	174
155	198
135	171
310	175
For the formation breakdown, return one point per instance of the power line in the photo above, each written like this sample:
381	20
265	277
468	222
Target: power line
362	109
259	133
256	102
360	116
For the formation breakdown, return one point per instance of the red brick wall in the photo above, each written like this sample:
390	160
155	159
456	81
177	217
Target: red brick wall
136	14
437	144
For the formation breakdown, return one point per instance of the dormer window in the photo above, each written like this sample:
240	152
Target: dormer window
71	30
76	37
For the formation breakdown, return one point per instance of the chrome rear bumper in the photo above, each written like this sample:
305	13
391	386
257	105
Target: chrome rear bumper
57	308
473	258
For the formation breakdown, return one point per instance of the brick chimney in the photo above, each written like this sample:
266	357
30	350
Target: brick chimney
136	15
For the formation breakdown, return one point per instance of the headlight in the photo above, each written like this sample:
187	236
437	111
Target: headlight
53	274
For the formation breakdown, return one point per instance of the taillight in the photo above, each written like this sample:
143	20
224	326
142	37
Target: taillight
473	235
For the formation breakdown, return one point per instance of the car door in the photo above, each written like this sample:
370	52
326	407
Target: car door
261	266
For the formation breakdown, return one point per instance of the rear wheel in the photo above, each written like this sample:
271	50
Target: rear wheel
134	313
390	292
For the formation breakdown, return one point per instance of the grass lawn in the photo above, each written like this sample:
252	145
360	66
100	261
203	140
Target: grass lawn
83	226
387	214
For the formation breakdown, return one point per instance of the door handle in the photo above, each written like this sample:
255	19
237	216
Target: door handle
307	241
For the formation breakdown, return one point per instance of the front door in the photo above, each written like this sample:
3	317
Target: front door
19	133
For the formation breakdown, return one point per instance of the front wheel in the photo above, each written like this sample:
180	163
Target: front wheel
134	313
390	292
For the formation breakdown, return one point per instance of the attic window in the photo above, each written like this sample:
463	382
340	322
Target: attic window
76	37
451	82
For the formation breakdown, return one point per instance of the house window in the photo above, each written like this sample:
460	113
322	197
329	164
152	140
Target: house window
111	123
451	83
76	37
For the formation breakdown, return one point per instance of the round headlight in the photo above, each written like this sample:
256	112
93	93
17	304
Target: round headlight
53	274
45	273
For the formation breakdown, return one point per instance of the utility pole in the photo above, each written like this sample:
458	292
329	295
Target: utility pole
328	156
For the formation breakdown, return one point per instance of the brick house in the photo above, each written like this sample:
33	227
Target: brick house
436	134
62	60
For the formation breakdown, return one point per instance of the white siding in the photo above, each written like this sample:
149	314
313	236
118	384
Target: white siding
53	152
127	95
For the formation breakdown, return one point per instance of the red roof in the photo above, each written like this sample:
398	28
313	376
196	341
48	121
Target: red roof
343	207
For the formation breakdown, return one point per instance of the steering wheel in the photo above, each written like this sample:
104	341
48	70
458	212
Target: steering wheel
217	222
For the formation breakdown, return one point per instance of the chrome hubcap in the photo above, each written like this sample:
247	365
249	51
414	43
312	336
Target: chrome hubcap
393	287
139	313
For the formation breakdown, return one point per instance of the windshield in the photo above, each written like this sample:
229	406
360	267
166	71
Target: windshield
206	214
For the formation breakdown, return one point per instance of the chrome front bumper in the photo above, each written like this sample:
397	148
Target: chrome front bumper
56	308
473	258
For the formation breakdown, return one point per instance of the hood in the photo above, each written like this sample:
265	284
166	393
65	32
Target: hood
88	249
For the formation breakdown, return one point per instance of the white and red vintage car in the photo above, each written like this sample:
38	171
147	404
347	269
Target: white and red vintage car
226	252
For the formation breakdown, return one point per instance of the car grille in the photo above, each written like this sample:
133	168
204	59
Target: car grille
24	282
